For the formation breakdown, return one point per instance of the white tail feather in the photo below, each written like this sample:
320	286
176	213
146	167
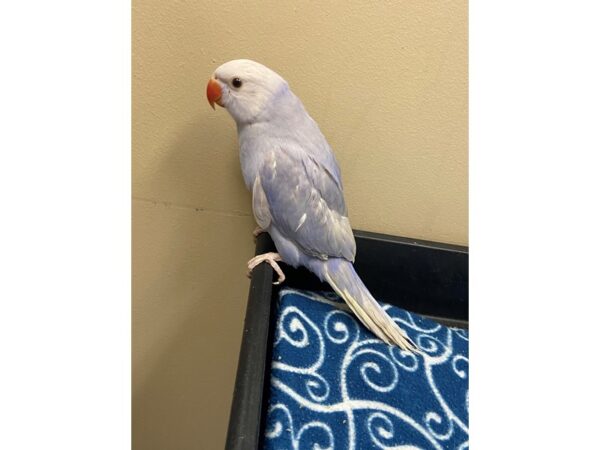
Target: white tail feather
346	283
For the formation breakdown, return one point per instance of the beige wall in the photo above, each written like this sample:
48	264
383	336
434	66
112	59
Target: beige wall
386	81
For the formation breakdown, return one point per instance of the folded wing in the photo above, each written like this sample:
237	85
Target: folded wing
305	202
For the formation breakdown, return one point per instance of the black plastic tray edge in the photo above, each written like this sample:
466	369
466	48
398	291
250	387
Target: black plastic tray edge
252	373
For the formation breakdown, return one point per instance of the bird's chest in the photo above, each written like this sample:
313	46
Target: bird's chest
253	152
251	160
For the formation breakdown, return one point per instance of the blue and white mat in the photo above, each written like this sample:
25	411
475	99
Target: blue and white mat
335	386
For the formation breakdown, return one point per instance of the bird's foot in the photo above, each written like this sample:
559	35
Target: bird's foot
270	258
256	232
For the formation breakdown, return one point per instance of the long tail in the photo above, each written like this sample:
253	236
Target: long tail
340	275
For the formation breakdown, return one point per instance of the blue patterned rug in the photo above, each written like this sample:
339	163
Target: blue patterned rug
335	386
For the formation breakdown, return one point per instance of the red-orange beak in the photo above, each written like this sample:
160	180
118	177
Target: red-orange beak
213	93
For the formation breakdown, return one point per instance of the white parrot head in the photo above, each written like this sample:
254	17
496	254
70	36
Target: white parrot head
245	88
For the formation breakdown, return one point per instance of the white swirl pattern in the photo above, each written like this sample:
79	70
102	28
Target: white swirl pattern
333	386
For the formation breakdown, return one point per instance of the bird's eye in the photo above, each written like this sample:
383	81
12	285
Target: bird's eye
236	83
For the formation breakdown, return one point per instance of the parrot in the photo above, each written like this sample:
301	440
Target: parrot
296	187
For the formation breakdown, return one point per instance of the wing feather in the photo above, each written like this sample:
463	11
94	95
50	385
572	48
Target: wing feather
306	204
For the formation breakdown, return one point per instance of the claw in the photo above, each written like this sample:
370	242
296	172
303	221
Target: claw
270	258
257	231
